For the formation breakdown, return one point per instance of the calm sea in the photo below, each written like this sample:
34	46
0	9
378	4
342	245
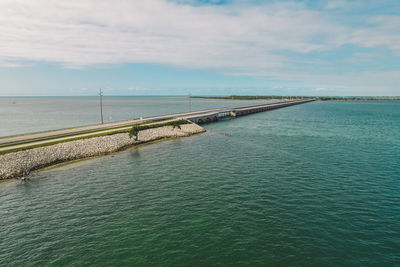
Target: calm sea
313	184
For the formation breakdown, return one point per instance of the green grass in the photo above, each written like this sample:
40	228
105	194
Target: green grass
61	141
140	126
74	134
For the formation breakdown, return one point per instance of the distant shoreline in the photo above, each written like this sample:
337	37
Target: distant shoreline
318	98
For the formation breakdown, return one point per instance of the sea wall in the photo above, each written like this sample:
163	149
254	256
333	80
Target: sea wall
17	164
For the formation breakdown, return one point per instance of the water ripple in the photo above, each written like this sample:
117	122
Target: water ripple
312	184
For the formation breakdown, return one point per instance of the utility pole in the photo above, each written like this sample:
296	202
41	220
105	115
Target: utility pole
190	102
101	105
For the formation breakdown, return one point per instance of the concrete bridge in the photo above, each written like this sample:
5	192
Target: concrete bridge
217	114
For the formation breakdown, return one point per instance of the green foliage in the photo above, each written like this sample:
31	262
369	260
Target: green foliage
133	132
59	142
137	128
178	123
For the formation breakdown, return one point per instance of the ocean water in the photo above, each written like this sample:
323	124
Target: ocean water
314	184
19	115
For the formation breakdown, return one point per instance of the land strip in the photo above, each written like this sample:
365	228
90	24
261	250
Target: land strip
21	163
24	145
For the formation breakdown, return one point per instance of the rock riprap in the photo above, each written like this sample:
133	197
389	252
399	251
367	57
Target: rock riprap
21	163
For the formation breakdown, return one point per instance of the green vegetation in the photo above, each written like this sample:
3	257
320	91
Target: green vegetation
321	98
61	141
116	128
140	126
137	128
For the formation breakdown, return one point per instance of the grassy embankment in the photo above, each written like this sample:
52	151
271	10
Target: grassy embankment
132	130
320	98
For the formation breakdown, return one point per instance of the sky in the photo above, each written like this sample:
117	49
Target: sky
200	47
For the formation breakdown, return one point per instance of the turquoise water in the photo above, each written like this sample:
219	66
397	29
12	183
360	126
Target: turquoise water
313	184
19	115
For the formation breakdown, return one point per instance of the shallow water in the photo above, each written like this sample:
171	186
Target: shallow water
311	184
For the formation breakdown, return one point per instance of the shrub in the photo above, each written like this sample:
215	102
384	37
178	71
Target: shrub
137	128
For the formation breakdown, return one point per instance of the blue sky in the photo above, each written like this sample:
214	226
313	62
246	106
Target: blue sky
202	47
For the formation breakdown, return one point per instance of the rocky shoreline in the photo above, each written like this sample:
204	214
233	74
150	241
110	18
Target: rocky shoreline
19	164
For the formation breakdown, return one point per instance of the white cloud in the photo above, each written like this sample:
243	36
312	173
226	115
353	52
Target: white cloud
362	83
385	32
78	33
341	4
232	38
